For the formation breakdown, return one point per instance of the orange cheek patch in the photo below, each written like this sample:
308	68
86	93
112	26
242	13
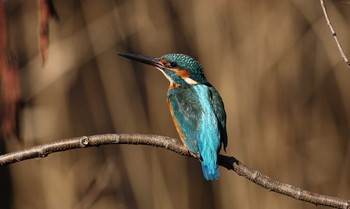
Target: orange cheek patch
183	73
163	61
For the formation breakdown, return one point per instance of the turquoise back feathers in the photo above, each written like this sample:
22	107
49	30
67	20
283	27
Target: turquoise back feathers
196	108
196	118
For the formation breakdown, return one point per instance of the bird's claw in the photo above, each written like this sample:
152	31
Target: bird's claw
192	154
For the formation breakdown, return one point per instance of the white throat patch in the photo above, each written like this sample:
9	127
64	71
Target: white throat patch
171	80
190	81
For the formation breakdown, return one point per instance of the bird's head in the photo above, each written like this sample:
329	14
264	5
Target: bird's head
180	69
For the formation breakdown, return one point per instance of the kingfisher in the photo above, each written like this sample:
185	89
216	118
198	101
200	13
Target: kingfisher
196	108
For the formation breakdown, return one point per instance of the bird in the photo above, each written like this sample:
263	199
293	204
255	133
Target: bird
196	107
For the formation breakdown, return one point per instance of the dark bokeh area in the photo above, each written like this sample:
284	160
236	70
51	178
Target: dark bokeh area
275	64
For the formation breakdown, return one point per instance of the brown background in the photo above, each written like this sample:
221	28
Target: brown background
274	62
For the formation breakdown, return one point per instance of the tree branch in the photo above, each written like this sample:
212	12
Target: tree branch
175	145
334	34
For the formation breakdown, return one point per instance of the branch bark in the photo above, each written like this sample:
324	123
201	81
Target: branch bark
175	145
334	34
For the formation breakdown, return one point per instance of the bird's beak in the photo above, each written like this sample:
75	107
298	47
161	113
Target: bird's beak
155	62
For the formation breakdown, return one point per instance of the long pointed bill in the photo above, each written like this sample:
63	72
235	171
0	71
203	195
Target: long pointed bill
143	59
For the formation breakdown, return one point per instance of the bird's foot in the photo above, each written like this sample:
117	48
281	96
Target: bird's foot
192	154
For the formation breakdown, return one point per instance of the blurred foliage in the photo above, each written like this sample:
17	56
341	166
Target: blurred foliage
274	62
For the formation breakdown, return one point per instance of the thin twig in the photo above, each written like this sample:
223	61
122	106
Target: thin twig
175	145
334	34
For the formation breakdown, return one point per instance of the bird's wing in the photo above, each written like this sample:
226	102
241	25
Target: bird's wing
185	111
220	113
193	113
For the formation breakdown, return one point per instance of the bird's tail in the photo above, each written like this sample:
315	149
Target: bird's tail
210	168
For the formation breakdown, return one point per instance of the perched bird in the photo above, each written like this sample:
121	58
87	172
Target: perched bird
195	106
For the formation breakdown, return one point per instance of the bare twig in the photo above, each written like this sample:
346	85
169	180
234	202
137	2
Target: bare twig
175	145
334	34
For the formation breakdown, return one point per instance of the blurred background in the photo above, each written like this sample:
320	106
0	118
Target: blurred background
275	63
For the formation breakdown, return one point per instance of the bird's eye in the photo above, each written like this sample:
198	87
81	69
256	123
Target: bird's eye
171	64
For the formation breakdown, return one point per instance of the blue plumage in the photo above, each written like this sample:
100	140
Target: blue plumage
194	113
196	108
